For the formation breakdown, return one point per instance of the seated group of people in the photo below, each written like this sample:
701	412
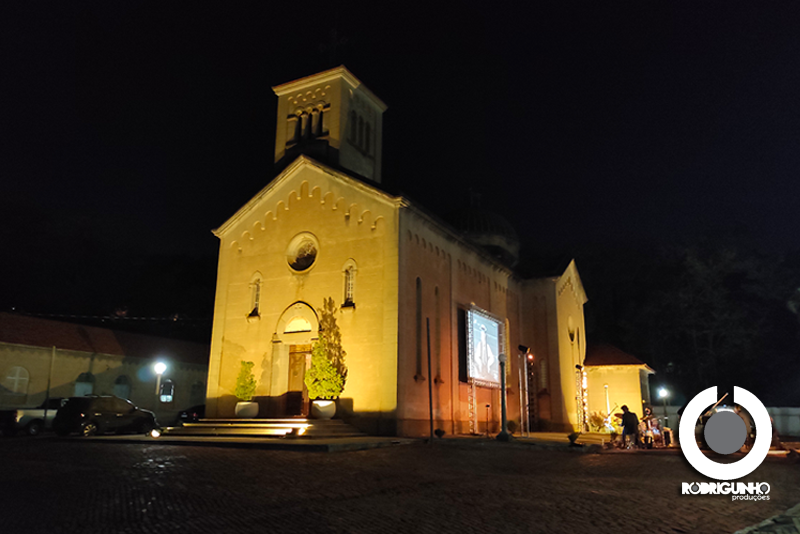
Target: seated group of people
646	433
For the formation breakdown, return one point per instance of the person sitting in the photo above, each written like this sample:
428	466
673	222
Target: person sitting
652	429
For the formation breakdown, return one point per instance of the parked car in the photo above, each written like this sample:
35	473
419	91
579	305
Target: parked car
31	420
191	415
102	414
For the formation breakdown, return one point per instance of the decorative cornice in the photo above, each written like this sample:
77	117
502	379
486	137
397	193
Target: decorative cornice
294	167
327	76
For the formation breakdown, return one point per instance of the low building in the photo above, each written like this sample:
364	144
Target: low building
614	379
41	358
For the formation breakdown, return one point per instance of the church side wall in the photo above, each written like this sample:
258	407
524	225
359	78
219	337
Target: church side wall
451	277
540	319
571	336
353	228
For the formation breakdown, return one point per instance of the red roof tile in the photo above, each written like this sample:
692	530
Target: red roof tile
35	332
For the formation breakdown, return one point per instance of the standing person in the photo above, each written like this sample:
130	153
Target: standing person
630	427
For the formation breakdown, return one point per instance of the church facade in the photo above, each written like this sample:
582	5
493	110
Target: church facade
402	280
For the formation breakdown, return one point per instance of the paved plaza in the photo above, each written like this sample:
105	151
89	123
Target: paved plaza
53	485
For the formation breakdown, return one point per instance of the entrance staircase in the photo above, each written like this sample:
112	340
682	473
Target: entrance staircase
267	428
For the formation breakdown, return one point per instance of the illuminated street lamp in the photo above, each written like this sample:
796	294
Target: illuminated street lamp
663	394
159	368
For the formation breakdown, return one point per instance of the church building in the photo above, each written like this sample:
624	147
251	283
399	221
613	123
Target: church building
402	279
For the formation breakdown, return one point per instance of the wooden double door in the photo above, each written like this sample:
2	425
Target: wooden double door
297	403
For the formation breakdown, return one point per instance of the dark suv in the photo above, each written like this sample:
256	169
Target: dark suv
100	414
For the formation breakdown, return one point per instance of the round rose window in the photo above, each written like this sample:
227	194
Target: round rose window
302	252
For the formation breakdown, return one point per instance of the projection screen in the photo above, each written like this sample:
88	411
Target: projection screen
484	343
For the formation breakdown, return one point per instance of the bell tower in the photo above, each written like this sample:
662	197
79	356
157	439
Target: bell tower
331	117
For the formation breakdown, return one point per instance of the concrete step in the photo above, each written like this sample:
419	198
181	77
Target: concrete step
292	427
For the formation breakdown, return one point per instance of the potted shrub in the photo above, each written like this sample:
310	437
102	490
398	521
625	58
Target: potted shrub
245	390
326	376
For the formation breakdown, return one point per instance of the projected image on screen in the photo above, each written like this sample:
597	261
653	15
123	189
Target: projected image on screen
484	348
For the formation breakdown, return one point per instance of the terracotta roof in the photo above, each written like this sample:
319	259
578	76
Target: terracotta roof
35	332
604	354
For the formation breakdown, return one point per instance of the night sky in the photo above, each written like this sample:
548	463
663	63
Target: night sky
130	129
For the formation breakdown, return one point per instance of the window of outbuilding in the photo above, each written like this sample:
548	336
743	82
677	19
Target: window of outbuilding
167	391
122	387
16	380
84	385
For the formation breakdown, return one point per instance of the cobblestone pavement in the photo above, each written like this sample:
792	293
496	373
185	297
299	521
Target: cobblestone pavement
73	486
786	523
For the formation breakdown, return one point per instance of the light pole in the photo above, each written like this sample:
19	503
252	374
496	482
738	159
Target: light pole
524	401
503	435
663	394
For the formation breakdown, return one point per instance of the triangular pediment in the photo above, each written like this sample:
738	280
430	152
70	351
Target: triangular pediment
297	172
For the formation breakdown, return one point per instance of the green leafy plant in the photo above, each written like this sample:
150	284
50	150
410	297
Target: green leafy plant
326	377
245	382
597	421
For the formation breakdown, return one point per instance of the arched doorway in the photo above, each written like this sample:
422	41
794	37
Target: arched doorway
296	331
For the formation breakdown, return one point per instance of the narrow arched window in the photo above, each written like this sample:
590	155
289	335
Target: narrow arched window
353	126
308	121
349	281
166	391
122	387
360	132
255	296
543	374
298	127
437	333
84	385
419	330
318	123
349	271
367	136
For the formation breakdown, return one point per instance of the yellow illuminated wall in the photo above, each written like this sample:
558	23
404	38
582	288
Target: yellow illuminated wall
452	274
625	387
554	314
353	224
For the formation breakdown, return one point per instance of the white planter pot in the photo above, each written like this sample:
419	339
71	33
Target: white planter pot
247	410
323	409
